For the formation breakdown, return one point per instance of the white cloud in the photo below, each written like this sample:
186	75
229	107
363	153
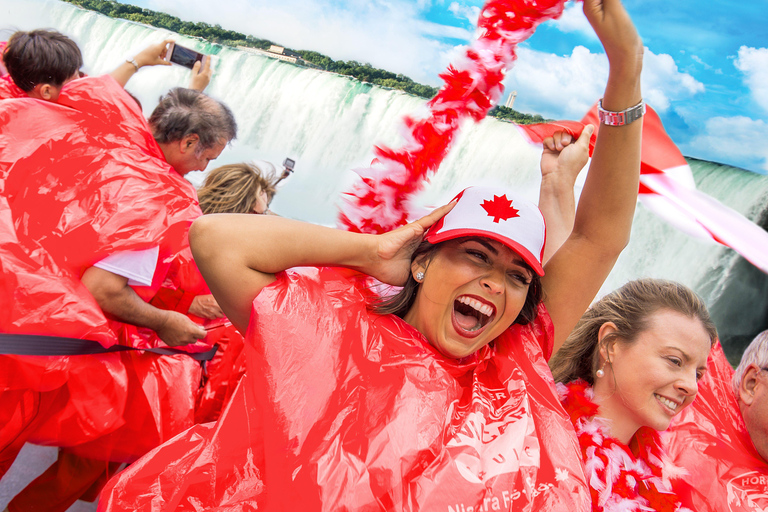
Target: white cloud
663	82
733	139
699	60
436	30
465	12
558	87
573	20
753	63
391	34
566	87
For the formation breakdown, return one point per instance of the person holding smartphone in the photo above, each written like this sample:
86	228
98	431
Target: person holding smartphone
160	54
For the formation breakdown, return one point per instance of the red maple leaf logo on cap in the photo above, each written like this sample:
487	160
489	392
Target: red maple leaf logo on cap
500	208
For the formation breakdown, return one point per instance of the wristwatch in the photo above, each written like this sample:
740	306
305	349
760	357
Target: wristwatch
609	118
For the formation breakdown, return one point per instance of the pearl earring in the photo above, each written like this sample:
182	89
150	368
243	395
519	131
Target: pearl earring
419	276
600	373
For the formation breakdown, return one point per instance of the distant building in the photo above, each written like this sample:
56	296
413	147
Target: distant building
282	51
277	52
511	99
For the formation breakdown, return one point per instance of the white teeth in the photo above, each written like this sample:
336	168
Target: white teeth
669	403
475	304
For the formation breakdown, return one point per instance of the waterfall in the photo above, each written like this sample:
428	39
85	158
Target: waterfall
329	124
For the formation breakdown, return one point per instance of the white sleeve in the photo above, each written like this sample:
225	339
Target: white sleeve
137	266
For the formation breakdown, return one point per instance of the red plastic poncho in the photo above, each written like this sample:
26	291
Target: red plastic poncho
356	411
80	180
710	440
83	179
182	284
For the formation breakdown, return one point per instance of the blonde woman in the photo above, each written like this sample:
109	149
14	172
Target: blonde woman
632	364
238	188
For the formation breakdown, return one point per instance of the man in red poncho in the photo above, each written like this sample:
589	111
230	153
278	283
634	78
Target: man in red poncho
722	439
208	127
90	181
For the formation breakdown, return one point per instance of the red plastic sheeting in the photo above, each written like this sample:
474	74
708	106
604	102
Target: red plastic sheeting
80	180
224	373
710	440
182	284
83	179
356	411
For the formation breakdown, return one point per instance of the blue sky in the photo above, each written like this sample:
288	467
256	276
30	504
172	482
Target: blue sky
705	70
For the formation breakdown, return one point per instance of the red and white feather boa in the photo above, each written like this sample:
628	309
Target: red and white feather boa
380	201
622	478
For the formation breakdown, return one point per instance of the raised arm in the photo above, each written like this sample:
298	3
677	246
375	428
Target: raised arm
152	55
561	160
607	203
239	254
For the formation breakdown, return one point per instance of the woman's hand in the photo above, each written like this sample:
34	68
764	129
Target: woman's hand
562	158
205	306
391	263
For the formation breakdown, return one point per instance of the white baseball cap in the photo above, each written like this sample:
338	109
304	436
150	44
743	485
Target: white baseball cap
499	215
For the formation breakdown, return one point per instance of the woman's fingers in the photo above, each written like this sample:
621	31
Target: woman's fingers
436	214
586	134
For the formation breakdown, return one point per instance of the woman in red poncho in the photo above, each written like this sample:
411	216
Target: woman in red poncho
447	404
632	363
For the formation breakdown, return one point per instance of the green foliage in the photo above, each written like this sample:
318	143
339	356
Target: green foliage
509	114
216	34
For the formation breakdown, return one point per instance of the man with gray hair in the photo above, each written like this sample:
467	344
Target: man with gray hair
750	386
191	129
721	440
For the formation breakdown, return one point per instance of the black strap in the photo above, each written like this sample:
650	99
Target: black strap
37	345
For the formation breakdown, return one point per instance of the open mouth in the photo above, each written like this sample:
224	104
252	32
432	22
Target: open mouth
471	315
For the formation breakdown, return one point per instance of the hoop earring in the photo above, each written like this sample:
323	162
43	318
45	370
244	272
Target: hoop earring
419	276
601	372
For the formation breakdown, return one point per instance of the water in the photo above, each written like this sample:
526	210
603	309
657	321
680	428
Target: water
329	124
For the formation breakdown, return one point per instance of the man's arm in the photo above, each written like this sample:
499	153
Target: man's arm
117	298
151	56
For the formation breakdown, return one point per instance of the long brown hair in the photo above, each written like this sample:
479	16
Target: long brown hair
629	308
234	188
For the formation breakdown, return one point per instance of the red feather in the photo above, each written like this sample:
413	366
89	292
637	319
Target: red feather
380	202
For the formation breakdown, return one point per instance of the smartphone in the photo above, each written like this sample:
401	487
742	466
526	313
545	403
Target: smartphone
288	164
183	56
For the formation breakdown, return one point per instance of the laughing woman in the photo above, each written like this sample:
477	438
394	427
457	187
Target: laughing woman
632	363
438	398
